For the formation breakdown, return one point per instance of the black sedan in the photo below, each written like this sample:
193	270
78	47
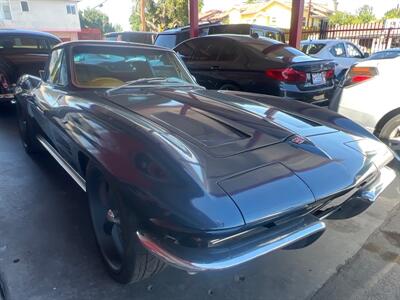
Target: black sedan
199	179
259	65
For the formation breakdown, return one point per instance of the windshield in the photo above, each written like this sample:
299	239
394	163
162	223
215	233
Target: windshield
385	55
311	49
110	67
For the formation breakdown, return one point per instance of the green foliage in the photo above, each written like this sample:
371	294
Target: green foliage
162	14
93	18
364	14
392	14
341	18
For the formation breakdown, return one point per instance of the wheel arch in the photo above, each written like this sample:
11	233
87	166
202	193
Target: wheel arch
388	116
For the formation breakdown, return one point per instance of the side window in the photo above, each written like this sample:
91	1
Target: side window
185	50
338	50
352	51
206	50
57	72
229	52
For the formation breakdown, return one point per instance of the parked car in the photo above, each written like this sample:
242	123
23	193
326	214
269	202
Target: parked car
132	36
202	180
259	65
385	54
21	52
172	37
343	52
368	95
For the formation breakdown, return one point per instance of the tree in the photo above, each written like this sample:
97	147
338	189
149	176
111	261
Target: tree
392	14
365	14
162	14
94	18
341	18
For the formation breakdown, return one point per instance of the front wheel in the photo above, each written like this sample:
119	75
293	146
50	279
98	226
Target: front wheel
27	131
390	134
115	228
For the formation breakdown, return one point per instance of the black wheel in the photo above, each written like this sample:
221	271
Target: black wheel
390	134
27	131
115	226
229	87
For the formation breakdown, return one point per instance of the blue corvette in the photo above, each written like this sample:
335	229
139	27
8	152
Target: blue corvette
198	179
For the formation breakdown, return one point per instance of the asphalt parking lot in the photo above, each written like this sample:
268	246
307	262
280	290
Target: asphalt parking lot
48	251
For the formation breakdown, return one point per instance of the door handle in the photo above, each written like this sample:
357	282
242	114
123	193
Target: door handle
215	67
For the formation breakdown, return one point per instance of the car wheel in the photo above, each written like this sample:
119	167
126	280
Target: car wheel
27	131
390	134
114	225
229	87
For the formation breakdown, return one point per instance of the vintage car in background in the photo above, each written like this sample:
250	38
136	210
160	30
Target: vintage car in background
170	38
198	179
258	65
368	96
22	52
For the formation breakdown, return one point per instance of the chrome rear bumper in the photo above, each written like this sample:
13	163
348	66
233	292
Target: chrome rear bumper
227	256
248	248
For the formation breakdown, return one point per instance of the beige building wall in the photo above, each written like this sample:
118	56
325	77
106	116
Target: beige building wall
44	15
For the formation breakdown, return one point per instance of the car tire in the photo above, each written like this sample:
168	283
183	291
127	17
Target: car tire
390	134
229	87
28	131
126	260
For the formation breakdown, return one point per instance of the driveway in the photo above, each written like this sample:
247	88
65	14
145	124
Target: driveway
48	251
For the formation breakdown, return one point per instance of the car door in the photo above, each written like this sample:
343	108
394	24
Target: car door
231	70
339	56
353	54
203	61
47	98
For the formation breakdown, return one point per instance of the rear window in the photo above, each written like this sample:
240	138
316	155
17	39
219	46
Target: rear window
166	40
275	51
23	43
312	48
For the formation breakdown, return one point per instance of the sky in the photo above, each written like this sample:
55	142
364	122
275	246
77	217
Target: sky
120	10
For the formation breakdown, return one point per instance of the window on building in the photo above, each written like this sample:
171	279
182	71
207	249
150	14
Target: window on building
5	10
71	9
24	6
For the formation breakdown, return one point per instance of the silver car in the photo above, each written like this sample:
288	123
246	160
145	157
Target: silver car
343	53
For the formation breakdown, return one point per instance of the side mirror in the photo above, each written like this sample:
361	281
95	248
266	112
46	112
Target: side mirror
366	54
42	74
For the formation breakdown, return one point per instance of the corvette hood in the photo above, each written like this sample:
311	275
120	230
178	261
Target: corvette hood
220	124
271	162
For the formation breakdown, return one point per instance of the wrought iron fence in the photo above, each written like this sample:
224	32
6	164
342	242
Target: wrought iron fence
370	37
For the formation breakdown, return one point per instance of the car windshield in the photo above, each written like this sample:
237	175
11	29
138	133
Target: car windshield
21	42
166	40
110	67
385	55
311	49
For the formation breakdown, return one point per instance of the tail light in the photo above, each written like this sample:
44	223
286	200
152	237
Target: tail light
360	74
329	74
288	75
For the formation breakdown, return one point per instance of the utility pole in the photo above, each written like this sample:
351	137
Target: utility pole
142	15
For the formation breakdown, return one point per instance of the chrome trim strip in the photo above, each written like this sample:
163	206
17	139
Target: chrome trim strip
233	259
63	163
372	191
